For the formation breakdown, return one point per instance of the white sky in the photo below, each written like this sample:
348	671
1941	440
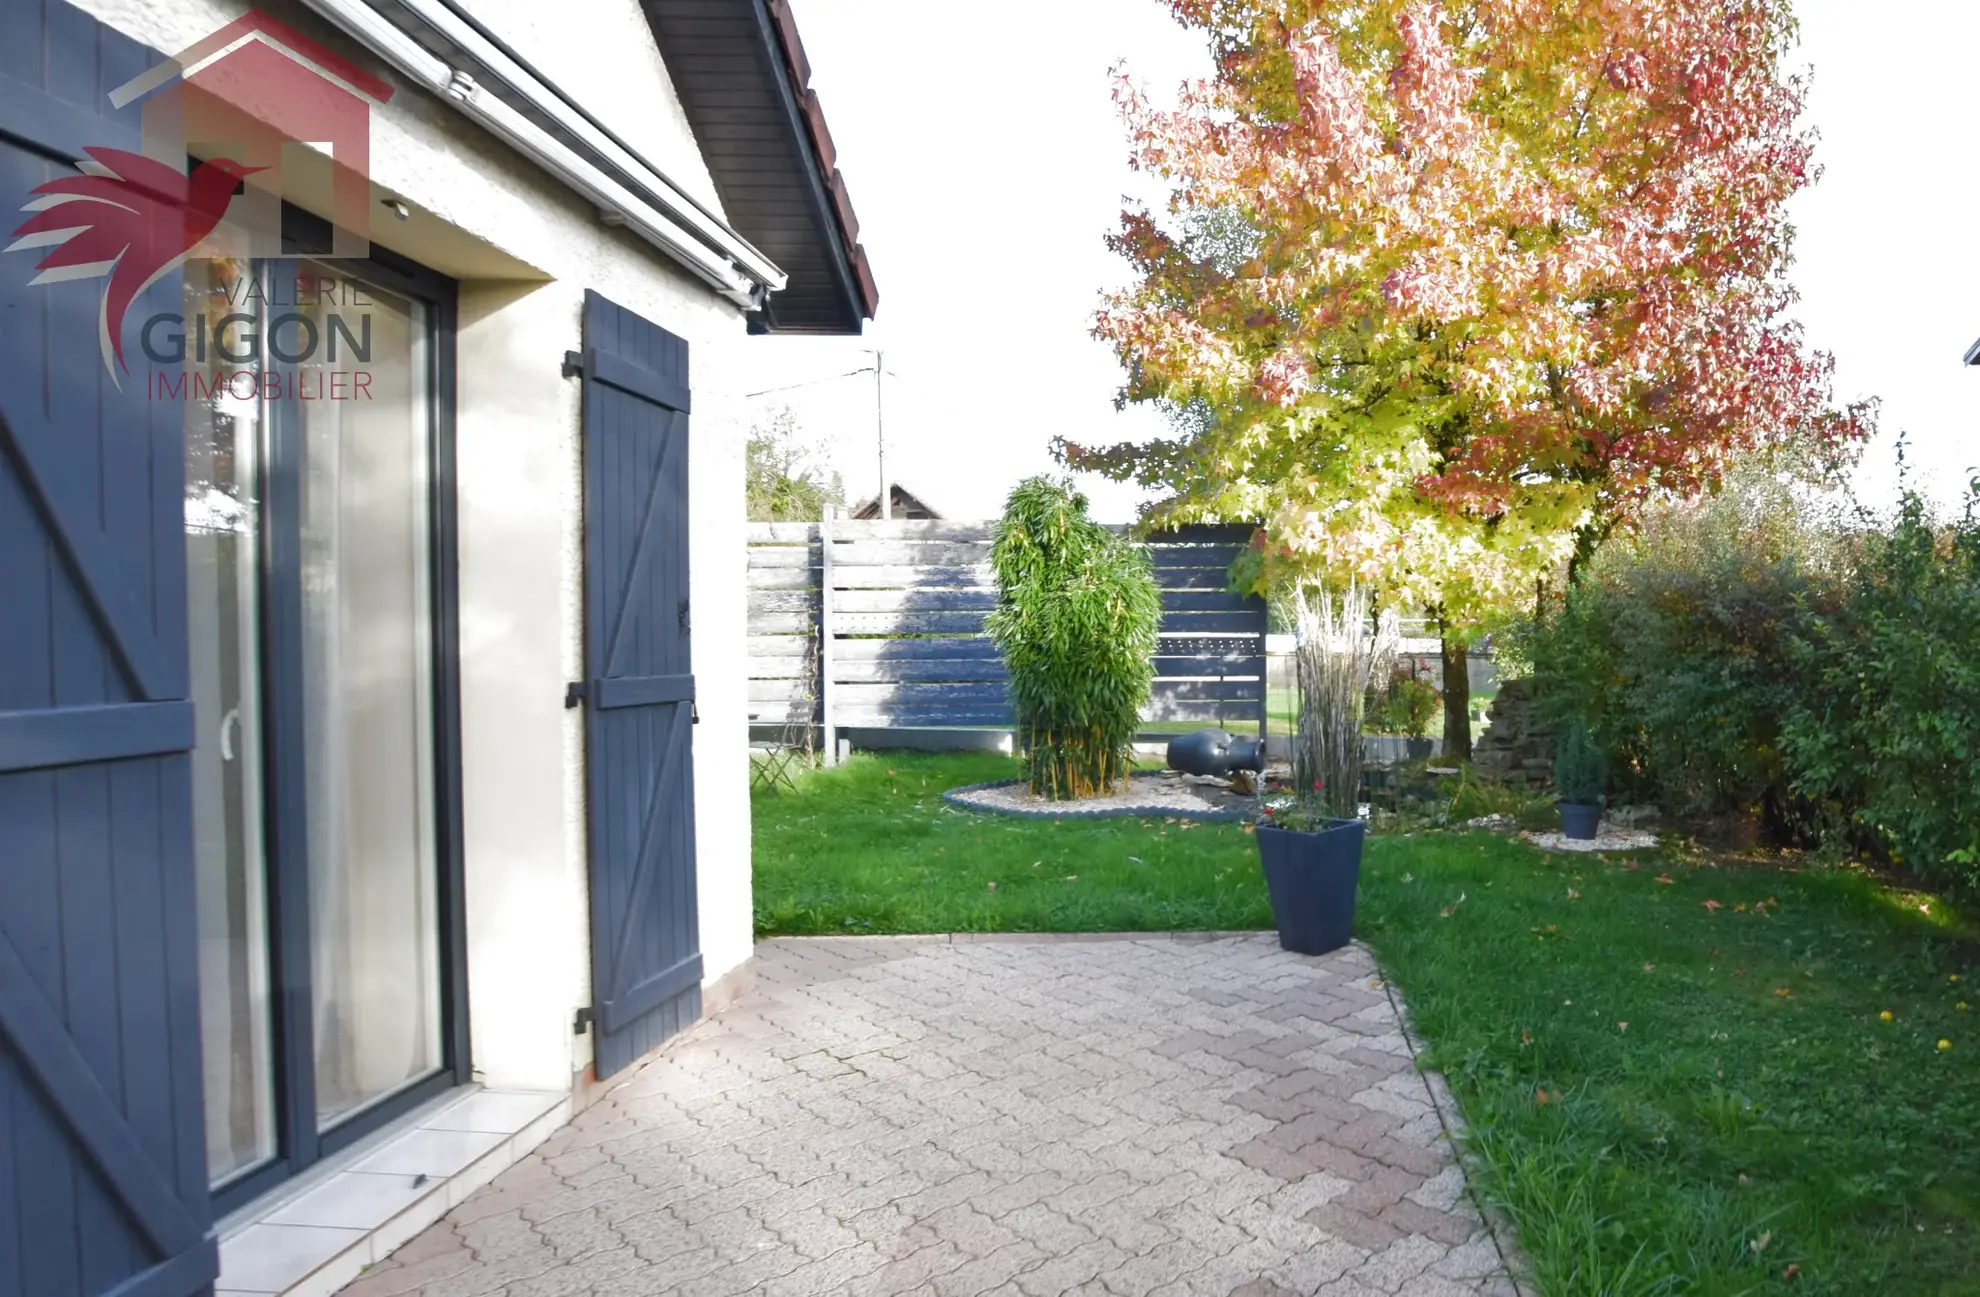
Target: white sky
986	163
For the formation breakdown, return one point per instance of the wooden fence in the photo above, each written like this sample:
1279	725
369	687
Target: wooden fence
879	625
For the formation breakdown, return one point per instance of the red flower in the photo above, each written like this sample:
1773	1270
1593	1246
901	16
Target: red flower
1319	784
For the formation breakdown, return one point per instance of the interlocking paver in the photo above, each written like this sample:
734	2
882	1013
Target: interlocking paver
1133	1116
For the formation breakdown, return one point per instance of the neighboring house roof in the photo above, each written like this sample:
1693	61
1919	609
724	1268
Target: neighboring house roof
1973	354
743	81
906	505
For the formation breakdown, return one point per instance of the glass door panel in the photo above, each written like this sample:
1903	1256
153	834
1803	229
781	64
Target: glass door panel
361	401
223	519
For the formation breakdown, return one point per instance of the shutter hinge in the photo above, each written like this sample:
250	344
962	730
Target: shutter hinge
574	694
573	363
682	616
694	712
581	1021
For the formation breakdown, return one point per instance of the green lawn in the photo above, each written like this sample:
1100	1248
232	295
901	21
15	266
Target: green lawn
871	847
1756	1127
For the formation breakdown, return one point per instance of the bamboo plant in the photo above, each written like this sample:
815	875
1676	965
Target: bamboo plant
1076	620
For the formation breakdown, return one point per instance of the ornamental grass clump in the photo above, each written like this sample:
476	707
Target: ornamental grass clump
1076	617
1339	645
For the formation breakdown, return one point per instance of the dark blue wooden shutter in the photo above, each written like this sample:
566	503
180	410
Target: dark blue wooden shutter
102	1152
639	687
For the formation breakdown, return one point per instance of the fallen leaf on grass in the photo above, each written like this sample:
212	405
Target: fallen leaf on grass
1622	1026
1885	1016
1072	878
1760	1244
1541	1096
1793	1269
1783	991
1648	967
1573	895
993	887
1712	905
1525	1036
1665	879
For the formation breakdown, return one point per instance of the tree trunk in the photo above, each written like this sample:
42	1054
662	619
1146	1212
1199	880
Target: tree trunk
1457	696
1586	537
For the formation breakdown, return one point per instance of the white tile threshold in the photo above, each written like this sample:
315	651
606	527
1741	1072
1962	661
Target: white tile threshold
314	1236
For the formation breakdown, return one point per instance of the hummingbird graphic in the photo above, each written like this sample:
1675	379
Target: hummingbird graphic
127	215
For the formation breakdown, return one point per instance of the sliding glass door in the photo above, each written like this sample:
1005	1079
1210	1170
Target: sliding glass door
323	697
224	441
367	709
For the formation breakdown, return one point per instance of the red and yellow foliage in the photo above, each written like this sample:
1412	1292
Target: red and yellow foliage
1445	284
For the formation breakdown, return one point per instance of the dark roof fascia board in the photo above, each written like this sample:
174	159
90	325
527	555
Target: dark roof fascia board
771	45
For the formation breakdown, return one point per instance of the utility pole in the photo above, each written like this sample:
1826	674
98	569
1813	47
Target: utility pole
880	432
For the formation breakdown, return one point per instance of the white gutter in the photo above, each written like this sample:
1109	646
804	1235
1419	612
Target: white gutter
742	276
527	83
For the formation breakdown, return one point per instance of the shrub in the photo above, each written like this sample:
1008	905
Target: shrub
1405	703
1883	732
1076	620
1580	773
1672	648
1744	654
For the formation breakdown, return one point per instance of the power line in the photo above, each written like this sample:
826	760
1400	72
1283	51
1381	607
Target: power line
792	387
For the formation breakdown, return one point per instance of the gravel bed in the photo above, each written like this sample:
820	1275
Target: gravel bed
1162	793
1607	838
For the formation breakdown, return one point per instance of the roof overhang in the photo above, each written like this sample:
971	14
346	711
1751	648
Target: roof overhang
743	81
1973	354
467	67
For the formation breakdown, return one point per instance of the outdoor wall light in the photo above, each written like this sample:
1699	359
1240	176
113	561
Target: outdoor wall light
397	207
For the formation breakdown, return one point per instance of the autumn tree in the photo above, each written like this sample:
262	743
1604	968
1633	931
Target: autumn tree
1447	289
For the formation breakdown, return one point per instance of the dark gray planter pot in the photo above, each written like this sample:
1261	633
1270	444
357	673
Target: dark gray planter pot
1580	819
1419	749
1312	878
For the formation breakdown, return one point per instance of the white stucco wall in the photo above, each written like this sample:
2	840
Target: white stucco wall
520	521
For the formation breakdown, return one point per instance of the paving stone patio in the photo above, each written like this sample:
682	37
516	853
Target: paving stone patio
1025	1118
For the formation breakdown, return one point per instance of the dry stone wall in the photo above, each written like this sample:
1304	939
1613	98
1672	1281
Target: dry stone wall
1518	743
